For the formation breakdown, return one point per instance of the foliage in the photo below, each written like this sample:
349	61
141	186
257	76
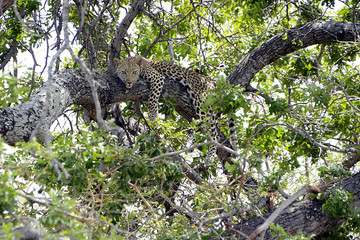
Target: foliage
7	194
338	204
280	233
295	131
333	173
11	91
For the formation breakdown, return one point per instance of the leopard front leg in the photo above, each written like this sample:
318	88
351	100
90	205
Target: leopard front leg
157	83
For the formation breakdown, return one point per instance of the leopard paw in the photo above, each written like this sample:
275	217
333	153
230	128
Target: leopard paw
152	116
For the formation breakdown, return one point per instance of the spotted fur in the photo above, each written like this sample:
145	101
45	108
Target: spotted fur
130	69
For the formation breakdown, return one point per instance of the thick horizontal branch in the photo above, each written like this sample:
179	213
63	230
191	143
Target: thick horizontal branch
290	41
71	87
305	215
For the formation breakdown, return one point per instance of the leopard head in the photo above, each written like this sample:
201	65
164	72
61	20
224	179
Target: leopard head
128	70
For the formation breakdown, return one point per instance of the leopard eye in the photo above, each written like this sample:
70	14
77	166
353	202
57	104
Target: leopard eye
124	72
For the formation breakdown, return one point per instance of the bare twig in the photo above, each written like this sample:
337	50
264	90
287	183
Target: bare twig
306	135
182	209
26	25
161	34
163	155
48	203
277	212
238	232
146	203
83	66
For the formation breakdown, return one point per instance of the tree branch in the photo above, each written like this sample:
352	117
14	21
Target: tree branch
290	41
305	215
277	212
122	30
72	87
5	5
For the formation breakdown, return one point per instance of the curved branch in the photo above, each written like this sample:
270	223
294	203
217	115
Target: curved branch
122	30
290	41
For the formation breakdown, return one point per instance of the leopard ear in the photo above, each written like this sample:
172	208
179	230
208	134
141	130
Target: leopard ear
116	61
139	60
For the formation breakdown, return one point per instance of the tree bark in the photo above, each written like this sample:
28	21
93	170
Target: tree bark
305	215
70	87
5	5
290	41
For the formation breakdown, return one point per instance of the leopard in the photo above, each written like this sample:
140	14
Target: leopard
131	69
